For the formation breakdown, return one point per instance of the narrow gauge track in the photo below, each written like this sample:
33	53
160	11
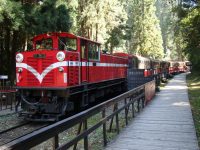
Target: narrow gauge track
12	128
18	131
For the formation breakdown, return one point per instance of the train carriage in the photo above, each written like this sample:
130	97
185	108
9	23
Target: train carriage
164	70
181	66
137	62
178	67
155	65
173	69
188	66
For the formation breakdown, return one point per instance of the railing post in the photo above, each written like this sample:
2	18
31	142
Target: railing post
15	98
117	118
6	100
143	102
11	99
55	142
1	101
133	108
126	111
111	122
78	132
104	128
138	104
86	137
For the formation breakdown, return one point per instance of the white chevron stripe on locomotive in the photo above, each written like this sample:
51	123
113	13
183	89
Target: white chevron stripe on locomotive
41	76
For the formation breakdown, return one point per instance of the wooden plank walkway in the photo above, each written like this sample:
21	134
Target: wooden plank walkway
165	124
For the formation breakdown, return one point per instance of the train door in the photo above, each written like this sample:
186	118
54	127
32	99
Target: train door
84	61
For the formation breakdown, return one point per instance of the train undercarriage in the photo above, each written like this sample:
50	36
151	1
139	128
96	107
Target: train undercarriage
53	104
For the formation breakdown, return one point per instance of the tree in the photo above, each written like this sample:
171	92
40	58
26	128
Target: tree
97	18
190	31
168	20
146	33
20	21
51	18
11	20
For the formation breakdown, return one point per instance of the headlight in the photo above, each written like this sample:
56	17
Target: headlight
60	56
19	58
61	69
20	70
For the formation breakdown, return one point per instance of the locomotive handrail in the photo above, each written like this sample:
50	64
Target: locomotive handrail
53	130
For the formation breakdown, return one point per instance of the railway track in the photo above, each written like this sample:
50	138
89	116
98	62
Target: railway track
18	131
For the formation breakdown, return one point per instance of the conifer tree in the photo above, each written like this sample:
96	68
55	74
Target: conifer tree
146	33
99	17
51	18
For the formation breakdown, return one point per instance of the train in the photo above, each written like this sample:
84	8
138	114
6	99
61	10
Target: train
64	73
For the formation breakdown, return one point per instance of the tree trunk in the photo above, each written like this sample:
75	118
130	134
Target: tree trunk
15	46
111	49
6	53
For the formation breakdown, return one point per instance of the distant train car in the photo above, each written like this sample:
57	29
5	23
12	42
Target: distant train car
179	67
155	65
188	65
174	67
137	62
144	63
182	66
164	69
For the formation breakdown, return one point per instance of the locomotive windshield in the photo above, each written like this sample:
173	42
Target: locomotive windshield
46	44
66	43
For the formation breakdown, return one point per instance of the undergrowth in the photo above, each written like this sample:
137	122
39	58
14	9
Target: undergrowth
193	81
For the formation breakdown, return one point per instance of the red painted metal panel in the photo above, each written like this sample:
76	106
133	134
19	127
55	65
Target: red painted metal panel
149	91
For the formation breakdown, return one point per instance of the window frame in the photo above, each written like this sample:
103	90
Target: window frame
42	40
97	46
64	44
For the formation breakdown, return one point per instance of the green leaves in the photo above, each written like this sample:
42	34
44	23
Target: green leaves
11	14
189	32
51	18
146	37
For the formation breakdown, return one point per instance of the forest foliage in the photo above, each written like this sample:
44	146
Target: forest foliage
151	28
188	32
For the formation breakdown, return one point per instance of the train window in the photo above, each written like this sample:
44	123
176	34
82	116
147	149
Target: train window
46	44
188	63
66	43
93	52
83	49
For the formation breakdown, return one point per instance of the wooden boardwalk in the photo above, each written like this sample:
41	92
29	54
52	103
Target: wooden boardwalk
165	124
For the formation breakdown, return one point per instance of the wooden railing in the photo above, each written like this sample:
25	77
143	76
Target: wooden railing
129	103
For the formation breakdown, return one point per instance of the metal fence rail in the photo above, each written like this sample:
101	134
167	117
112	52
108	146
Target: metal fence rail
128	100
7	98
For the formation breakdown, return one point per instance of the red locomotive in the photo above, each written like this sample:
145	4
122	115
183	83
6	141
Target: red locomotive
62	67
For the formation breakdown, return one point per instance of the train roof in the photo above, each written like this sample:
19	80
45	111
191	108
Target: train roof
70	35
131	55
